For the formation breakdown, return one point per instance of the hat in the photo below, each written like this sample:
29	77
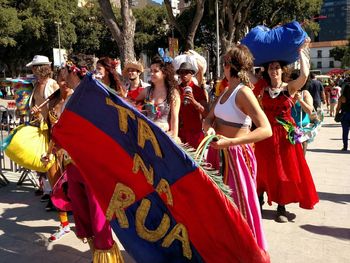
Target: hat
39	60
135	65
186	66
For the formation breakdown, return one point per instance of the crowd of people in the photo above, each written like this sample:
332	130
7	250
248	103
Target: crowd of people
246	111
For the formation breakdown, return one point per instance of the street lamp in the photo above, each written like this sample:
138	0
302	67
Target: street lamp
59	42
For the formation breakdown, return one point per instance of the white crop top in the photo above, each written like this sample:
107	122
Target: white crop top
229	114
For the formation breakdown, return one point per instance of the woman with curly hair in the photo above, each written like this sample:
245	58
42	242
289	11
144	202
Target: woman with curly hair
106	72
162	99
44	85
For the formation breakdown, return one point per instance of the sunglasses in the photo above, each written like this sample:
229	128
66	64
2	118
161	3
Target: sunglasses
185	72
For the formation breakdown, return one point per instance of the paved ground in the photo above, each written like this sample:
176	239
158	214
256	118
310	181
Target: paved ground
320	235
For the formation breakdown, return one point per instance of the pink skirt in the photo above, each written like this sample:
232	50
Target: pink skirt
239	173
59	195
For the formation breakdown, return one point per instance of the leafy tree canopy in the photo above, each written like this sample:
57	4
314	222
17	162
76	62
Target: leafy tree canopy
274	12
341	54
32	29
10	25
151	29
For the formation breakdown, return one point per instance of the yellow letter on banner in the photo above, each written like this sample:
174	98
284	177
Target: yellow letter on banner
122	197
179	232
123	114
164	187
142	231
138	162
145	133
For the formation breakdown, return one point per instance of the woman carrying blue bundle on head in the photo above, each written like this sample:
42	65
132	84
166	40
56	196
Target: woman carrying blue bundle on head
282	169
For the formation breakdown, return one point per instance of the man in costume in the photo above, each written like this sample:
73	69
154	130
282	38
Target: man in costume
91	223
134	85
44	86
193	108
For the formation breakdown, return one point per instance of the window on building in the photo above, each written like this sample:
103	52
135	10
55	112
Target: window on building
331	64
319	64
319	53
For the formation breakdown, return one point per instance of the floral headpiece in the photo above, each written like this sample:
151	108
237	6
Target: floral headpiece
115	63
82	71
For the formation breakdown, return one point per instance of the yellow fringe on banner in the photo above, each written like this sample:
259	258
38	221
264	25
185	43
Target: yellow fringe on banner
112	255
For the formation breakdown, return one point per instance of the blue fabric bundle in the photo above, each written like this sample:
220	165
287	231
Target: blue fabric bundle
278	44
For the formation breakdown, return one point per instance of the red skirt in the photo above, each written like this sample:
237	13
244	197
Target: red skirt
283	172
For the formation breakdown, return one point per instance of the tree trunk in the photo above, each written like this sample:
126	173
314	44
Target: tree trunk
233	16
125	37
192	28
194	25
172	19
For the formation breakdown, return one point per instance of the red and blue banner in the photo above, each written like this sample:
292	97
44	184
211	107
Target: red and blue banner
160	204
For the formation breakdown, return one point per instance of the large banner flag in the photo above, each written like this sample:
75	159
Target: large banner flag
160	204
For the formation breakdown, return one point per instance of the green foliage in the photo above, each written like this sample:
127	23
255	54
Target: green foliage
341	54
33	30
151	29
10	25
268	12
337	53
274	12
89	29
27	27
345	63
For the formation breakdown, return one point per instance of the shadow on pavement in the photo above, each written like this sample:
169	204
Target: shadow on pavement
24	243
268	214
271	215
331	125
328	151
336	198
337	232
58	253
23	230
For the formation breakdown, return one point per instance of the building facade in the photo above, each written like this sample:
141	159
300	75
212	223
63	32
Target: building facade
336	25
320	55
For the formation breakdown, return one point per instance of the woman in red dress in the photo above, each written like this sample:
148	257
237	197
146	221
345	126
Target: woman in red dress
282	169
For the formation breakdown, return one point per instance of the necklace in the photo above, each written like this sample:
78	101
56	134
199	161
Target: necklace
275	92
